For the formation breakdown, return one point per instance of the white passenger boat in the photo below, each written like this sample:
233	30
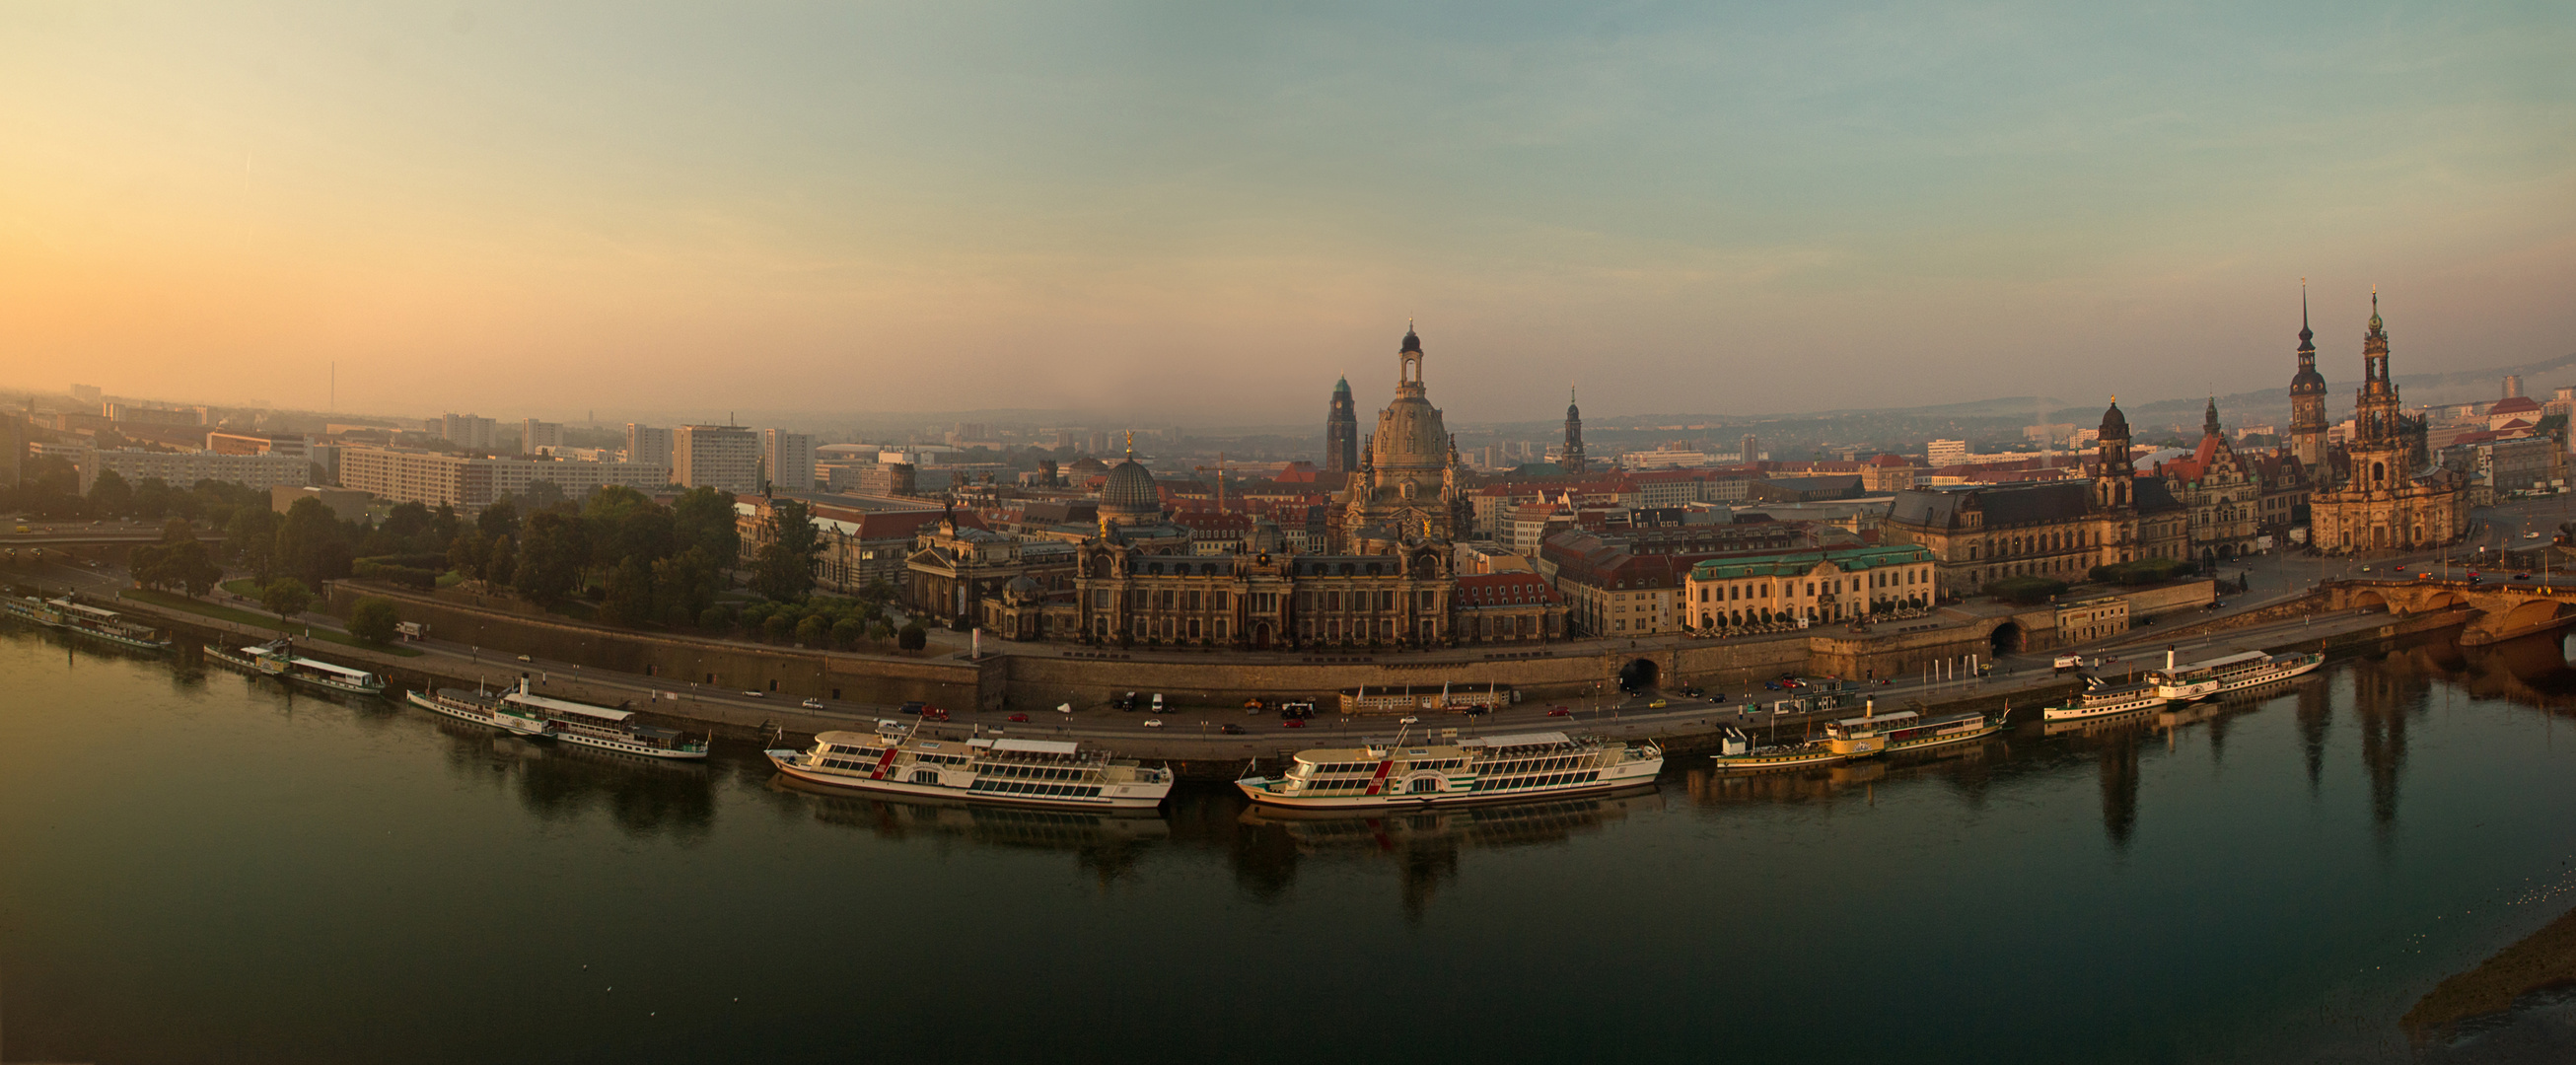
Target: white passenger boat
606	728
926	760
104	624
2093	704
1391	773
30	608
1737	753
2236	672
1874	733
278	659
480	709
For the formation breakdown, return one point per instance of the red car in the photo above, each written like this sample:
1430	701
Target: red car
1020	717
1560	712
1294	722
934	714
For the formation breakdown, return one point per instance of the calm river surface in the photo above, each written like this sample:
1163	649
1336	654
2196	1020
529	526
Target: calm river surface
199	867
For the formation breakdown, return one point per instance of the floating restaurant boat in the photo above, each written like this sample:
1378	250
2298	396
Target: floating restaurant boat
1389	773
2094	704
480	709
277	659
108	625
2236	672
1737	753
1905	730
606	728
921	760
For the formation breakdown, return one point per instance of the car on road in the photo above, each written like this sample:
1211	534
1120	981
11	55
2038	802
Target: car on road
1158	704
1124	702
749	694
1560	712
1153	722
525	658
1294	722
913	707
2531	536
1020	718
933	713
1230	729
1655	705
812	704
2522	576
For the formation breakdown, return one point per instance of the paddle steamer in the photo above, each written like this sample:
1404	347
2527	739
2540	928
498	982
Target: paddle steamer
277	659
2093	704
1390	773
1873	733
925	760
2231	673
603	727
1738	753
480	709
108	625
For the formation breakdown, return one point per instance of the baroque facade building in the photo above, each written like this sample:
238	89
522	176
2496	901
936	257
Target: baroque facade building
2389	495
2220	490
1409	489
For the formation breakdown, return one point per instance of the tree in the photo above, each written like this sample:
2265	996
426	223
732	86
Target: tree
704	518
407	526
498	520
846	632
501	566
541	495
178	561
312	545
551	557
714	619
110	495
153	498
251	539
469	552
630	593
777	626
812	631
373	619
913	637
879	631
286	597
684	586
785	568
443	527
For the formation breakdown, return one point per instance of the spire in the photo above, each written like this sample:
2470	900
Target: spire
2307	337
2209	422
1412	343
1131	445
2375	325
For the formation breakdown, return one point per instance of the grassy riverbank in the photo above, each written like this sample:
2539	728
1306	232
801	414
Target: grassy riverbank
265	621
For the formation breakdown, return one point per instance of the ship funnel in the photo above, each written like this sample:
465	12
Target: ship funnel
2169	658
1868	707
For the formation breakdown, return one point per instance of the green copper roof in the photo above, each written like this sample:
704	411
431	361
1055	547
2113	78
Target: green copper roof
1798	563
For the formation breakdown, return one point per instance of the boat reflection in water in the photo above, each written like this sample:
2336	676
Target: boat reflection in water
1425	845
1104	841
645	797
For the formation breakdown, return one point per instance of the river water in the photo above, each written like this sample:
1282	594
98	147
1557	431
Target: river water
196	867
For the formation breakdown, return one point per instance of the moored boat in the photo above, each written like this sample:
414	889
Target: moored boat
277	659
1737	753
1391	773
481	709
2230	673
104	624
2094	704
1873	733
606	728
30	608
924	760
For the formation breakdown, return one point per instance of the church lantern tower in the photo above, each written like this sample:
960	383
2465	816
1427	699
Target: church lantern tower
2308	399
2115	478
2378	442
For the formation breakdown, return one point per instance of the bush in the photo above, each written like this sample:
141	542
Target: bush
846	632
2025	589
714	619
913	637
368	569
812	631
777	626
373	619
2141	571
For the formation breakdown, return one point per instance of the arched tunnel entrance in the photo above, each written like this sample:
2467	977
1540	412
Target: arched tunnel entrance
1639	675
2005	639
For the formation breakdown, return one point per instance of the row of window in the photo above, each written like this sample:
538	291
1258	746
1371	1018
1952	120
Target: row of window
1534	765
1029	772
1053	791
1548	780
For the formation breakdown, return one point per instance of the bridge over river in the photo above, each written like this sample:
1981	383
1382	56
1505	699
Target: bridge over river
2500	610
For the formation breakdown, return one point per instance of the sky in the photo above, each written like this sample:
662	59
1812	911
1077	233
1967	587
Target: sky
1195	212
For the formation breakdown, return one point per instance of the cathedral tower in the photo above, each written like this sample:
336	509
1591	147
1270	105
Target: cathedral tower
1573	461
2114	477
2377	440
2308	399
1341	432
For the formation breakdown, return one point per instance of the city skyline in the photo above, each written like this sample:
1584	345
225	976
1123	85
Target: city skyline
1129	209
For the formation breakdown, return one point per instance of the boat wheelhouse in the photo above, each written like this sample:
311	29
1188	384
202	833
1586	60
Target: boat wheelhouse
926	760
478	708
1738	753
277	659
1392	773
108	625
1874	733
606	728
2094	704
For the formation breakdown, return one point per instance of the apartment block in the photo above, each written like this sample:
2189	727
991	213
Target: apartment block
647	444
722	457
430	478
183	469
469	431
791	459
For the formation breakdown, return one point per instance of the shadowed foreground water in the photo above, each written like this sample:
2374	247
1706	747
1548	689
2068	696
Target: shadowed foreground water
199	867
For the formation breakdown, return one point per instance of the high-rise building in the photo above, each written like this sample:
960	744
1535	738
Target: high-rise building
647	444
723	457
1341	432
2512	386
468	431
1752	449
1572	458
791	459
534	434
2308	401
13	450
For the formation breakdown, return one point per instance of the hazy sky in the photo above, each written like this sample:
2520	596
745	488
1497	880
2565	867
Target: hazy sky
537	209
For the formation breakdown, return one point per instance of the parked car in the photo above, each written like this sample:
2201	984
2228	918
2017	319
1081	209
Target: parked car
1560	712
1153	722
2522	576
1655	705
1124	702
749	694
933	713
1019	718
1158	703
1294	722
1297	710
812	704
1230	729
525	658
913	707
